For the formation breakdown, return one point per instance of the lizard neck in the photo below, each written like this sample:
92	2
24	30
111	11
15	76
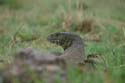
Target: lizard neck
75	52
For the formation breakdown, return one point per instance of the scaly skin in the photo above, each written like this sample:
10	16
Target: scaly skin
72	44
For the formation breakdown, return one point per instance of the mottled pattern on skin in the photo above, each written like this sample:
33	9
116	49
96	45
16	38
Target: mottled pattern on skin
74	53
72	44
62	39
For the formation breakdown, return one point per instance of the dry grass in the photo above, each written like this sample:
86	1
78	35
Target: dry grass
101	21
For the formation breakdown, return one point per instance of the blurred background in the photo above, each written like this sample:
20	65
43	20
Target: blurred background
27	23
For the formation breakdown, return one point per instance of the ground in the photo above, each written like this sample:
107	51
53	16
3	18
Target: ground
101	24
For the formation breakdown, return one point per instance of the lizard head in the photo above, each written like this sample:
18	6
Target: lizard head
64	39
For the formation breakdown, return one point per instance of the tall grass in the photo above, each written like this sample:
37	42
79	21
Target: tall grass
44	17
14	4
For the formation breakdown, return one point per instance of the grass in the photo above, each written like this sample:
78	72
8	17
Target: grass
33	20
